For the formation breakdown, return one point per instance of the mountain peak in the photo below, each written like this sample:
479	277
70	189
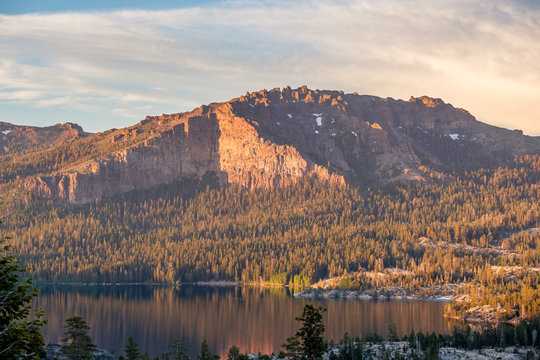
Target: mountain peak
427	101
271	137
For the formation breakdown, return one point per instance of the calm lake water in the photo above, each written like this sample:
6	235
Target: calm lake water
255	320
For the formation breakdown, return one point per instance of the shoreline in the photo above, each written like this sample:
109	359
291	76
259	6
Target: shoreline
309	293
335	294
220	283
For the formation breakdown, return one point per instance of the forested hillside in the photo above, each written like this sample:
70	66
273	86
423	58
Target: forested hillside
297	234
315	230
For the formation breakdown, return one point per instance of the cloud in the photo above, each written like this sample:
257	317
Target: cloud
480	55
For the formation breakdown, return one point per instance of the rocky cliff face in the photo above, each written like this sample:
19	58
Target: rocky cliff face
211	139
268	138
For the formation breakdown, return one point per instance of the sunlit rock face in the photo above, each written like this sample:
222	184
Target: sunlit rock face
269	138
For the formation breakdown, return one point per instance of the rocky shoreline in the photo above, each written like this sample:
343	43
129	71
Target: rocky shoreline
52	352
216	283
367	295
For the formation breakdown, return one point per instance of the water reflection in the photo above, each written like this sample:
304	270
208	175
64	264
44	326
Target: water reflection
256	320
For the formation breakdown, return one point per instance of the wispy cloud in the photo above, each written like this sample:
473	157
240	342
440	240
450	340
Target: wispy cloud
480	55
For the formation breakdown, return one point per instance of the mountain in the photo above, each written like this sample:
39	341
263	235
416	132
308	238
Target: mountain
18	139
262	139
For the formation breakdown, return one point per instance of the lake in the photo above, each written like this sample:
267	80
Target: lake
254	319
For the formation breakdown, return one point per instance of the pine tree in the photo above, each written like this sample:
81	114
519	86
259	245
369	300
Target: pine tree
79	344
177	350
310	334
132	350
205	353
392	332
234	353
292	348
19	336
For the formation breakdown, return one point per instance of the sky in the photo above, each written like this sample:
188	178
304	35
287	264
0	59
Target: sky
105	64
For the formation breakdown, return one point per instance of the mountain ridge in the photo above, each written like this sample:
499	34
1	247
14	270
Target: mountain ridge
269	138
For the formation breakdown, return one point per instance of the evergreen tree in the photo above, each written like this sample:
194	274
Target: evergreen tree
177	350
132	350
310	334
234	353
20	337
79	345
292	348
205	353
350	349
392	332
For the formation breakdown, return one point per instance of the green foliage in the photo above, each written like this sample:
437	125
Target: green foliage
20	323
310	334
392	332
350	349
177	350
292	347
349	283
132	350
205	353
279	279
79	345
467	338
234	353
